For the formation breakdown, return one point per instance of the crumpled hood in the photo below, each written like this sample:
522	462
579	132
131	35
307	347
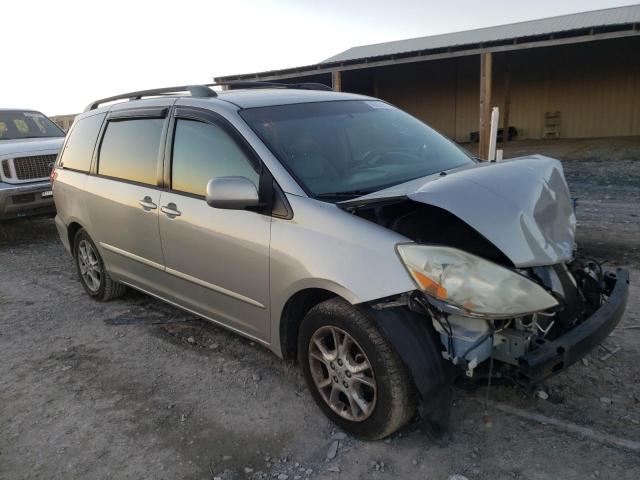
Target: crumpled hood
29	145
522	206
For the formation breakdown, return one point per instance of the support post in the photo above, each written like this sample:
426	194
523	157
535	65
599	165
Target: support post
493	135
376	85
485	104
336	80
507	103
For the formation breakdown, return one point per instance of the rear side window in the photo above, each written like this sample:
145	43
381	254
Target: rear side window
202	151
81	142
129	150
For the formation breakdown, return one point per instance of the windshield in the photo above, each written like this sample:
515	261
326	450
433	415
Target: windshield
350	148
15	124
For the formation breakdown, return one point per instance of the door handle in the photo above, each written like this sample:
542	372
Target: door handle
147	204
171	210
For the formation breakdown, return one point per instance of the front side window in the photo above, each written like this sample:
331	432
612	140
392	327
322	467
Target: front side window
81	142
130	148
349	148
202	151
16	124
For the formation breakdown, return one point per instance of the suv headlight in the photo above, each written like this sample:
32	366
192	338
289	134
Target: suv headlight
473	284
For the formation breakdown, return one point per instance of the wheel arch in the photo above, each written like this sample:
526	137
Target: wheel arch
293	312
72	229
415	340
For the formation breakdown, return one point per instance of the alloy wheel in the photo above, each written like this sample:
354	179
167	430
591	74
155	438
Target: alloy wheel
89	266
342	373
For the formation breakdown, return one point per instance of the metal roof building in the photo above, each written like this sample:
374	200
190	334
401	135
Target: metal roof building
600	19
582	71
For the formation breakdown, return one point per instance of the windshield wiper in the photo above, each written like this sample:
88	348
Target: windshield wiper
346	194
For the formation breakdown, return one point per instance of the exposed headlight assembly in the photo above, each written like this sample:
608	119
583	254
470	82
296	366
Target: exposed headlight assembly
475	286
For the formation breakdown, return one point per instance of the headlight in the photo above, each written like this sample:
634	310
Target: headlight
475	285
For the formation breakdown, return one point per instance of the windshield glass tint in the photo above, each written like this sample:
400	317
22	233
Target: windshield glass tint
16	124
349	148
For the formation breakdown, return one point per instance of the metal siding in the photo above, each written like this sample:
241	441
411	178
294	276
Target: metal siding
596	87
430	93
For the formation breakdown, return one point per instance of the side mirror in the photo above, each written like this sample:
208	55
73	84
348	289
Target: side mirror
232	193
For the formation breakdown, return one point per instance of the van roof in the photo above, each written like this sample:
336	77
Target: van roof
266	97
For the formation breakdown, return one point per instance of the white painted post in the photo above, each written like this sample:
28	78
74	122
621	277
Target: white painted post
499	154
495	117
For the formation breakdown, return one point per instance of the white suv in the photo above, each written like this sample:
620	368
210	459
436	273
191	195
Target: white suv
29	145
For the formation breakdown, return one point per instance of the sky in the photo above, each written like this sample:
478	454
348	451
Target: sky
58	56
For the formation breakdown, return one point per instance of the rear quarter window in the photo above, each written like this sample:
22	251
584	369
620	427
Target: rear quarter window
81	142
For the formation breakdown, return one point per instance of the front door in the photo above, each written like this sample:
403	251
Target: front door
217	261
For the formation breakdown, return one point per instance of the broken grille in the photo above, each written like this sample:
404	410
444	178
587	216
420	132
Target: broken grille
37	166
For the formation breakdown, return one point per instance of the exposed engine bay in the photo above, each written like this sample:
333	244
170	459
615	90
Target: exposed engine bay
580	287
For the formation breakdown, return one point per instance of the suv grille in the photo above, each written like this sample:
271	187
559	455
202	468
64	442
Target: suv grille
5	169
37	166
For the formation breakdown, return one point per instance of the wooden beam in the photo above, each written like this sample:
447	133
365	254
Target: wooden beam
336	80
486	61
507	102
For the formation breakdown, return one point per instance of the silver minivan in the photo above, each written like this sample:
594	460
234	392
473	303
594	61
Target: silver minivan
339	230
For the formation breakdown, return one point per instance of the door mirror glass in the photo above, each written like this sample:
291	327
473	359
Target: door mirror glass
232	193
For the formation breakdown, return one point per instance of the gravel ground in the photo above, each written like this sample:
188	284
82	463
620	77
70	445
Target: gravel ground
137	389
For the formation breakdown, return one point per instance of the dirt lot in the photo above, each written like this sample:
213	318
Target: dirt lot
137	389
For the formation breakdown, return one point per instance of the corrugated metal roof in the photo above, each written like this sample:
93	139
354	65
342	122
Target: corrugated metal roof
545	26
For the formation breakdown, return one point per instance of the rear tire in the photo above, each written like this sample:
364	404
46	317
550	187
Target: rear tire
354	375
90	267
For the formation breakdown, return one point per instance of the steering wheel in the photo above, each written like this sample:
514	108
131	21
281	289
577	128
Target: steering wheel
371	157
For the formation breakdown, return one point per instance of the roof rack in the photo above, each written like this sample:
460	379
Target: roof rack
204	91
194	90
260	84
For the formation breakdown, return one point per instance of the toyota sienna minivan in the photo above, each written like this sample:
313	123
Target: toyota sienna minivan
339	230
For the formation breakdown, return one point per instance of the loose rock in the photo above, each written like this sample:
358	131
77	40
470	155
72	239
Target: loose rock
333	450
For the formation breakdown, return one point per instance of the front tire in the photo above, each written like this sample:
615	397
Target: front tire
353	373
90	267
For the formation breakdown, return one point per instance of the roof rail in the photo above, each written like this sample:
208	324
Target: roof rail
194	90
204	91
260	84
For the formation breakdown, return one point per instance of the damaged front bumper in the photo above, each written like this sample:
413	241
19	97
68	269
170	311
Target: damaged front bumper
531	348
553	356
436	360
